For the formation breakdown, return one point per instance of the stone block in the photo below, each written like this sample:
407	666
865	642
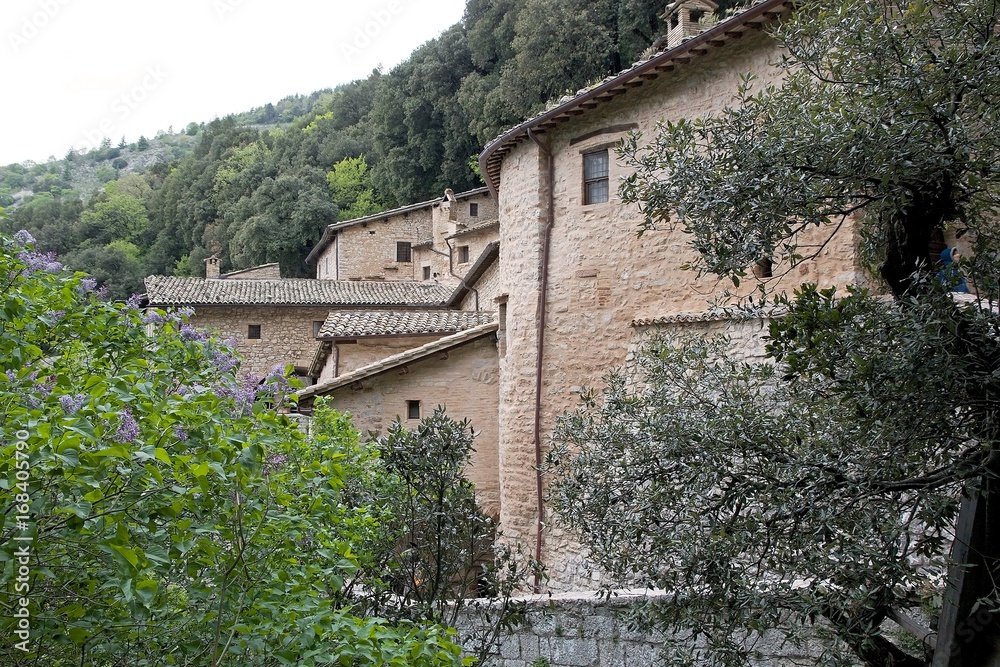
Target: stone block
573	652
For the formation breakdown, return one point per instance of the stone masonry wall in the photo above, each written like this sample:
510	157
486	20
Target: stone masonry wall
488	288
368	251
369	350
286	333
464	381
582	630
601	276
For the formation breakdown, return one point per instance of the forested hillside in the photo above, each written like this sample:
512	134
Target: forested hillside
260	186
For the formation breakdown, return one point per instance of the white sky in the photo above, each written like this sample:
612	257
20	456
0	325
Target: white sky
77	70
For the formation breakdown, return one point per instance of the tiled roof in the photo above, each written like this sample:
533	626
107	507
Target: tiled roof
397	360
641	72
359	323
680	318
717	315
472	229
171	291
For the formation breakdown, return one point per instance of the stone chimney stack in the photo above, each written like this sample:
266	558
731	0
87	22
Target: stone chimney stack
450	204
212	267
687	18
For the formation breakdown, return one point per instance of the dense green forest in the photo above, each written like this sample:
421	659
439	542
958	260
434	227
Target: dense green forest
260	186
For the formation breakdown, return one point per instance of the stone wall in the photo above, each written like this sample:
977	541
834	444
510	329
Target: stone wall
352	356
488	288
263	272
582	630
464	380
367	251
286	333
601	276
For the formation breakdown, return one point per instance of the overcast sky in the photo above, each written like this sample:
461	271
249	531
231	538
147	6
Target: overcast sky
77	70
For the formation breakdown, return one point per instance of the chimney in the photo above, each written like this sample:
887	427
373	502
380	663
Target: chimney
687	18
450	203
212	267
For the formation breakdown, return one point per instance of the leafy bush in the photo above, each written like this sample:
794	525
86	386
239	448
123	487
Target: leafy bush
162	513
430	552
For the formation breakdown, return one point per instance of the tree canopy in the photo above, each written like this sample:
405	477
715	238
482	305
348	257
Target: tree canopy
815	492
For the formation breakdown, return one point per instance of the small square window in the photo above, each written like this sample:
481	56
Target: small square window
463	254
427	273
595	177
413	409
253	332
404	251
473	210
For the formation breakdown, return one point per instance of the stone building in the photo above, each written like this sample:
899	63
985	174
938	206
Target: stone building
275	322
381	365
433	241
576	289
513	298
458	372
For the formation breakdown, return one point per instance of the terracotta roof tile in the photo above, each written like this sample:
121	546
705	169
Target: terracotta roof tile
359	323
172	291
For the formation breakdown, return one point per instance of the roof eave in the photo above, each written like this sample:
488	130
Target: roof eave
404	358
486	259
520	132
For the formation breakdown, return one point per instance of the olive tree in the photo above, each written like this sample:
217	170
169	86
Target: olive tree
817	492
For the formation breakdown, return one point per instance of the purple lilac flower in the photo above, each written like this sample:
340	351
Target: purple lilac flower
24	238
243	394
57	315
70	404
134	302
153	317
87	285
274	462
38	261
277	382
224	360
189	332
128	428
11	375
180	433
44	390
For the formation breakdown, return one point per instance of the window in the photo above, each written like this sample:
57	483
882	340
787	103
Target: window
413	409
764	268
253	332
595	177
502	329
404	251
317	325
473	210
427	273
463	254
